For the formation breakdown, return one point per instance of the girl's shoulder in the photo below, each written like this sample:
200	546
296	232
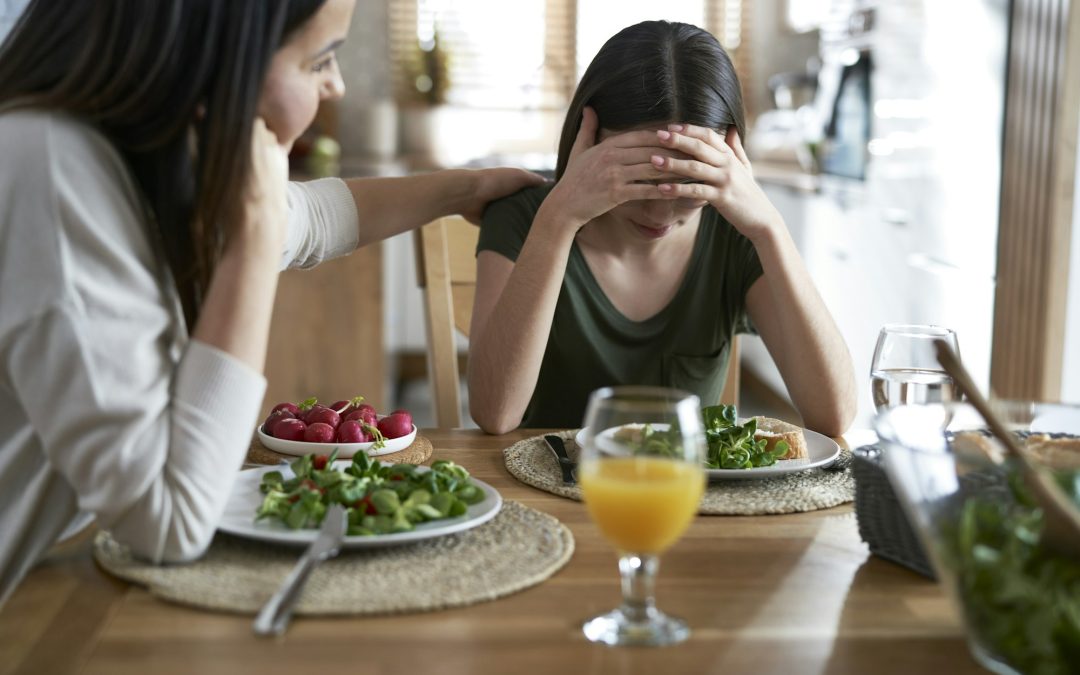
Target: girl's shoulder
519	206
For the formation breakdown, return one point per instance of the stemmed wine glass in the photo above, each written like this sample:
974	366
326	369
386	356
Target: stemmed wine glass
642	477
905	369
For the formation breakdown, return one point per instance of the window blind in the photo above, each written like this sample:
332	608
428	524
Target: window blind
527	54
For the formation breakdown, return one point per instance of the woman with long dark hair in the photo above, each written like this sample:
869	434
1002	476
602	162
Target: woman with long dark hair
652	249
145	214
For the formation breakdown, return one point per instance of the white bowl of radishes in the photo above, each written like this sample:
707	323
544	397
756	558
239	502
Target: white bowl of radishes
348	426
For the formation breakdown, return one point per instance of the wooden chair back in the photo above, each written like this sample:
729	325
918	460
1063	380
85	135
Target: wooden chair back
446	271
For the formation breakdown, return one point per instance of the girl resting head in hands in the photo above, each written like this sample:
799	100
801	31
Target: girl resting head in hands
652	249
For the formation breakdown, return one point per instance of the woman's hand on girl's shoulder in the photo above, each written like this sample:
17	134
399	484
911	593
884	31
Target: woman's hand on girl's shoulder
721	175
491	184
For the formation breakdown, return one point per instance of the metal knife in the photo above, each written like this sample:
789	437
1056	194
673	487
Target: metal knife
566	465
274	617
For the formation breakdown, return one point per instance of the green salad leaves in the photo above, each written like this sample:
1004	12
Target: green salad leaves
1021	601
731	445
379	499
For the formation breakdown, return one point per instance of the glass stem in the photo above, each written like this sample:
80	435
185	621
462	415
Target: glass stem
638	579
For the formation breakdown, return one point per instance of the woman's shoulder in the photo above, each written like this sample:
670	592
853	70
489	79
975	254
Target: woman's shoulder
34	137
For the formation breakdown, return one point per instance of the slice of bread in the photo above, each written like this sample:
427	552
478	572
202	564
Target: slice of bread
774	431
1056	453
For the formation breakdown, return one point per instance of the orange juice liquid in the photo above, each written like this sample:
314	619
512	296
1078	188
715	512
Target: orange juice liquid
642	504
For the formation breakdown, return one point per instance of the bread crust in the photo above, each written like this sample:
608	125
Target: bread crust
774	431
1056	453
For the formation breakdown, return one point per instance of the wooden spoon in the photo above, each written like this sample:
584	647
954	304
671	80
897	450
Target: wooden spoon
1061	521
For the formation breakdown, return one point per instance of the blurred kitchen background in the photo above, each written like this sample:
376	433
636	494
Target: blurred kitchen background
877	127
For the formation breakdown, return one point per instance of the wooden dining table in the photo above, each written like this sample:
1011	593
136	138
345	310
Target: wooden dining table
796	593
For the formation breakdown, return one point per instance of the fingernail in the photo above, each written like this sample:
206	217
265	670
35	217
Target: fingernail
663	134
674	127
658	160
665	187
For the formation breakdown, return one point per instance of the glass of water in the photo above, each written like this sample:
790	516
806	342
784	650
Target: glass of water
905	369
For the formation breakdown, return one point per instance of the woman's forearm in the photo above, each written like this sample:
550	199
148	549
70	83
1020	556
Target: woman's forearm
390	206
235	315
507	345
802	337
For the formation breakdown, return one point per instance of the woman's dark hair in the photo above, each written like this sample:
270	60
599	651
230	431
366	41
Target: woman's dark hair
174	85
656	72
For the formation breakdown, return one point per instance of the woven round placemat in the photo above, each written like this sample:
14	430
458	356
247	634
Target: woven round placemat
533	463
418	452
519	548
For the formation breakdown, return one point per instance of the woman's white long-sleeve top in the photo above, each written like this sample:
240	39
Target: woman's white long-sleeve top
107	406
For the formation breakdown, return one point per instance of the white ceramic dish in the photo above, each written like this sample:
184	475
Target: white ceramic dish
345	450
821	451
245	499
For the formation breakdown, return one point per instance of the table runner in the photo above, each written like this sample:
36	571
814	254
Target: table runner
533	463
519	548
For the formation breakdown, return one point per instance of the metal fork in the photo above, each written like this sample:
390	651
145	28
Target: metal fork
274	617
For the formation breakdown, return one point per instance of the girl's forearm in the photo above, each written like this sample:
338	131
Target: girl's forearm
803	338
506	351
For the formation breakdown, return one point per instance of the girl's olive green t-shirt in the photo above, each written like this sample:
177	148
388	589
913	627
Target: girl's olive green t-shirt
592	344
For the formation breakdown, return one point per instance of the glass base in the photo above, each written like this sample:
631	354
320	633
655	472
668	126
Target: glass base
616	628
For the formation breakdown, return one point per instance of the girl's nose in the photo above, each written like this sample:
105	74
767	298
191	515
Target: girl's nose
659	211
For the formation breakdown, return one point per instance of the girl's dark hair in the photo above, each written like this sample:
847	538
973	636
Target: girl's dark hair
139	71
656	72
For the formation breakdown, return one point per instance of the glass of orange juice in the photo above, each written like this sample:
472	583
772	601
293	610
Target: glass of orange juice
642	476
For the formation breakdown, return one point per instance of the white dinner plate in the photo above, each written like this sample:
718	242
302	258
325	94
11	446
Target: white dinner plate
820	449
345	450
245	499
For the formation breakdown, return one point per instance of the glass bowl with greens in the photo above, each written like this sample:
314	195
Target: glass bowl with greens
1020	602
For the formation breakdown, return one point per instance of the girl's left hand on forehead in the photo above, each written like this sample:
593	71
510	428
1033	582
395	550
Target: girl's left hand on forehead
720	173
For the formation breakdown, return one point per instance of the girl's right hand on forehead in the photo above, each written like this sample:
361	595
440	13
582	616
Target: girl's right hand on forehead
600	176
265	205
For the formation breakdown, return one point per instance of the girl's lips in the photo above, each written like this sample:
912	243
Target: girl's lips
653	232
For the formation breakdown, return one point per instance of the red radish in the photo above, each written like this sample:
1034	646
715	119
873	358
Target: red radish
318	462
352	432
395	426
363	416
290	407
403	411
289	429
343	408
320	414
367	406
273	418
319	432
